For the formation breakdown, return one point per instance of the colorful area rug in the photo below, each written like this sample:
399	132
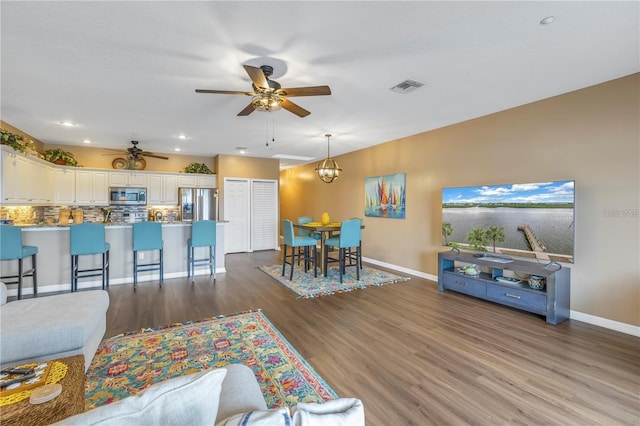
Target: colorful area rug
305	285
127	364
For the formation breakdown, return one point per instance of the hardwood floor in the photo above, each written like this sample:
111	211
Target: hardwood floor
415	356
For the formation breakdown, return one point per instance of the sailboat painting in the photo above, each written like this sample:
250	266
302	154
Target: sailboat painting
384	196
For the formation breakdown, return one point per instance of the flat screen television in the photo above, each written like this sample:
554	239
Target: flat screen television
521	219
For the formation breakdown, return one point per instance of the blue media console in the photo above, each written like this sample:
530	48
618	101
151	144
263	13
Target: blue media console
553	302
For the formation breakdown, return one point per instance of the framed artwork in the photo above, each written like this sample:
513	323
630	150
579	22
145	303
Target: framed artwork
384	196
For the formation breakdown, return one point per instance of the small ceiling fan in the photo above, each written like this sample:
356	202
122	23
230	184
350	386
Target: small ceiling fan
134	158
268	95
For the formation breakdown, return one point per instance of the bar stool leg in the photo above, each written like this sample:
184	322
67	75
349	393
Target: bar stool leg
34	274
19	279
161	267
135	269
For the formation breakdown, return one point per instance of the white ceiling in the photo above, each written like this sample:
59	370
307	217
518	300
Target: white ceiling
126	70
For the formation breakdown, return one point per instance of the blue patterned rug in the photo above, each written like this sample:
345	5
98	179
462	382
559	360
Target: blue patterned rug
305	285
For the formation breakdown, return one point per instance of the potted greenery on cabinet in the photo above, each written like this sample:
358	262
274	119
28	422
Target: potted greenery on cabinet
198	168
60	156
15	141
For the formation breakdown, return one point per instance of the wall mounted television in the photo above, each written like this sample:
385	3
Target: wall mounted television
522	219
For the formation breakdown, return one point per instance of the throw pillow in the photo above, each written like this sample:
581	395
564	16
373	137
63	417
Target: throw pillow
273	417
338	412
185	400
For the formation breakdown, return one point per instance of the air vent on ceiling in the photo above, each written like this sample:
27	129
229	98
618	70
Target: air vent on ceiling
407	86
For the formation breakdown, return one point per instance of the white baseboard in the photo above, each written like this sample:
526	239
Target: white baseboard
83	285
606	323
578	316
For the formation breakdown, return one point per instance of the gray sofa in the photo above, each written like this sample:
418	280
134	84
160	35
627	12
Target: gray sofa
228	396
184	400
51	327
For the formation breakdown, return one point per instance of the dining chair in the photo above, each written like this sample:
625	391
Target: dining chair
349	238
306	233
296	242
351	253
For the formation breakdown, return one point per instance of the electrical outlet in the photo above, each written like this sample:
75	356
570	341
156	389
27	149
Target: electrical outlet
140	256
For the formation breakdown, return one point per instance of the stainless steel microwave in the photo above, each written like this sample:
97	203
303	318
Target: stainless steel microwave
128	196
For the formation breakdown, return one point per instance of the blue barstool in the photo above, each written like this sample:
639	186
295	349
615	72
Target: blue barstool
296	242
349	238
147	236
11	248
85	239
203	234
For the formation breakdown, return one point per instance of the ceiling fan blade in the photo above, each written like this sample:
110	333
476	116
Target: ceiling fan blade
257	76
307	91
146	154
296	109
248	110
225	92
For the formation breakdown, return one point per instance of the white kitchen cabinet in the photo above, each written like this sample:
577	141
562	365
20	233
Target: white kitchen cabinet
42	184
197	181
92	188
127	179
26	180
15	178
64	191
162	189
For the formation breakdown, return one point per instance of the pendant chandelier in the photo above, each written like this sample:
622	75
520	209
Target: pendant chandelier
328	170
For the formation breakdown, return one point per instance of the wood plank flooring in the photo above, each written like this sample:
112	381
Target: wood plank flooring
415	356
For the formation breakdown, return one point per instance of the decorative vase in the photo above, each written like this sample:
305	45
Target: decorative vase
325	219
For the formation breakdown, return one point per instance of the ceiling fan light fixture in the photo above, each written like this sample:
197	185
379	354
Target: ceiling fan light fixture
328	169
267	102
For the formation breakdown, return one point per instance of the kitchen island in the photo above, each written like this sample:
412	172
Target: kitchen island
54	260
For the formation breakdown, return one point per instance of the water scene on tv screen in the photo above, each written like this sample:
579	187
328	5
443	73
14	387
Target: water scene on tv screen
530	219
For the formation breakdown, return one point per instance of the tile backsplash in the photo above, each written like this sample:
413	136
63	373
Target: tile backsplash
50	214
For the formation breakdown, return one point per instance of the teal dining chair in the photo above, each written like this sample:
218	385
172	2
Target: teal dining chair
295	242
350	252
11	248
349	239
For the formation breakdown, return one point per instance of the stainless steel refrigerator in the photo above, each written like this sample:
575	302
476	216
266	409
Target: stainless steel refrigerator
198	204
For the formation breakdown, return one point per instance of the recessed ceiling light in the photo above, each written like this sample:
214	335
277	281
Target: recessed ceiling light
86	141
548	20
67	123
241	149
181	136
176	149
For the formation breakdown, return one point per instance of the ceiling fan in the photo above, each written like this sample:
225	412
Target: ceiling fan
134	158
268	95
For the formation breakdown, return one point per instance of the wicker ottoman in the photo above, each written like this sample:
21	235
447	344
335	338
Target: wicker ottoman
68	403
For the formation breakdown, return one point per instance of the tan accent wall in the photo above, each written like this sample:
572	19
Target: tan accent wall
231	166
591	136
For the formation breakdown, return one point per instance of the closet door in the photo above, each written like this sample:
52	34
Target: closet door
264	214
236	213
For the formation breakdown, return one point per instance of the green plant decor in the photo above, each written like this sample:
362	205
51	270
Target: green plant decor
59	155
16	142
198	168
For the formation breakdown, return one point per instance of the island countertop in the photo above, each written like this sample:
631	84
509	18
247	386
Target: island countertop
54	259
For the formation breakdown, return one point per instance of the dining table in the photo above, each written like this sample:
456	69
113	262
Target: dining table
325	231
